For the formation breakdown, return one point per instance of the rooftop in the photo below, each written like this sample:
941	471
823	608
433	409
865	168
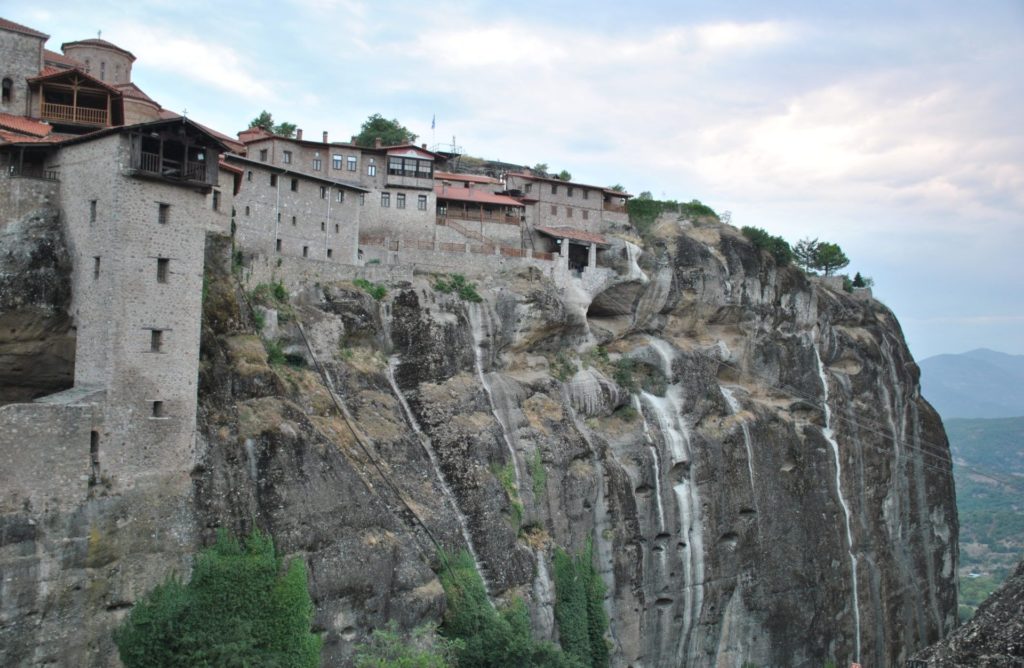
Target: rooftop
59	58
24	30
552	179
102	43
468	178
460	194
573	234
24	125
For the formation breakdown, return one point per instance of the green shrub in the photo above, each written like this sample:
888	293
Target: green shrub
275	355
259	319
579	607
457	284
538	473
271	295
419	649
490	638
375	290
776	246
240	608
623	373
563	367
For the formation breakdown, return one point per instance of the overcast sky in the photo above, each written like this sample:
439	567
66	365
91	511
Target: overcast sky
891	128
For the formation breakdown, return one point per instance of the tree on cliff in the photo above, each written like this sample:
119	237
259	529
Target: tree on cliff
266	121
390	133
830	257
241	608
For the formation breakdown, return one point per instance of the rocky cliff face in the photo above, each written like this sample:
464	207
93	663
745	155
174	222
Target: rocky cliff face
747	451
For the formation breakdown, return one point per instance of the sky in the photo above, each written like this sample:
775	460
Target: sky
891	128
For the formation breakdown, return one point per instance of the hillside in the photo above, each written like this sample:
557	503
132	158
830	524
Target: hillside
991	509
977	384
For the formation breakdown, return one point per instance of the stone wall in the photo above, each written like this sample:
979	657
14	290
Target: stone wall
21	57
20	196
297	273
309	221
103	63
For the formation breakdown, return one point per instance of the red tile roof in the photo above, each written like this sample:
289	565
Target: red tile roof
98	42
469	178
24	125
460	194
54	73
24	30
573	234
60	59
131	90
573	184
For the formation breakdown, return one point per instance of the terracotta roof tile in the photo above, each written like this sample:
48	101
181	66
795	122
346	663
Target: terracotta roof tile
460	194
573	233
55	73
24	125
98	42
131	90
24	30
469	178
60	58
572	184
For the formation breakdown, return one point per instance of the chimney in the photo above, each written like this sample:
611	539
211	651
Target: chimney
298	134
377	143
423	146
325	136
354	137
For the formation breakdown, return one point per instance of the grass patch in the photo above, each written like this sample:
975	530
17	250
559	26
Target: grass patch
457	284
538	473
375	290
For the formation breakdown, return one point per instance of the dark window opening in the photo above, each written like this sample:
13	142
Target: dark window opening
248	176
96	267
330	253
156	340
336	228
164	213
295	185
295	221
247	210
92	211
263	155
305	251
94	457
278	245
163	265
8	90
273	180
323	226
158	409
216	200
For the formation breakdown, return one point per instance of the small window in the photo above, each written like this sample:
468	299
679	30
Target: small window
8	90
156	340
279	216
316	164
371	170
158	409
103	70
362	199
323	192
163	265
92	211
246	209
96	267
586	214
273	180
295	221
305	251
385	199
339	195
554	188
336	228
295	185
248	175
263	155
568	191
586	194
287	157
278	245
421	202
216	200
323	226
330	253
164	213
353	163
336	161
400	201
568	212
529	187
554	210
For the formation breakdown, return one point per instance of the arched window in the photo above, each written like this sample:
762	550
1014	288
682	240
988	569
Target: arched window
8	90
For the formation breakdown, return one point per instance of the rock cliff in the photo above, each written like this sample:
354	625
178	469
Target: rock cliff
747	451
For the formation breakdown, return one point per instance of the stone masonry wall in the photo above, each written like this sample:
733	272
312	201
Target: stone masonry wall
21	57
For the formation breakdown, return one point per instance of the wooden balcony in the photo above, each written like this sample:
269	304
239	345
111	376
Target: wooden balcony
614	208
65	113
153	165
478	215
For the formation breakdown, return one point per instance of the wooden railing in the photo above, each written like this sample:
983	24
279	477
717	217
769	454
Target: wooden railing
484	216
34	172
66	112
445	247
463	230
615	208
190	171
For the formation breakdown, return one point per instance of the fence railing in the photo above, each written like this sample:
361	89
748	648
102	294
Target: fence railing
33	172
66	112
381	241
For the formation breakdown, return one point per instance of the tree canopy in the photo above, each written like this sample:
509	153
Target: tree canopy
565	175
241	607
391	133
811	254
266	121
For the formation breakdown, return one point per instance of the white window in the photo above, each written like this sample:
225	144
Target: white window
353	163
385	199
371	170
421	202
336	161
287	157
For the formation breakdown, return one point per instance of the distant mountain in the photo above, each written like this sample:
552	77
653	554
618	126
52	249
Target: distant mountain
977	384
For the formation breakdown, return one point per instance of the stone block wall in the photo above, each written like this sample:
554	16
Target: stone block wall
21	57
20	196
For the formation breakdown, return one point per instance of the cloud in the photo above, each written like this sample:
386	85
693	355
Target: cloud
195	58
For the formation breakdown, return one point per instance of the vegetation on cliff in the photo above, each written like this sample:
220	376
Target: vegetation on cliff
241	607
